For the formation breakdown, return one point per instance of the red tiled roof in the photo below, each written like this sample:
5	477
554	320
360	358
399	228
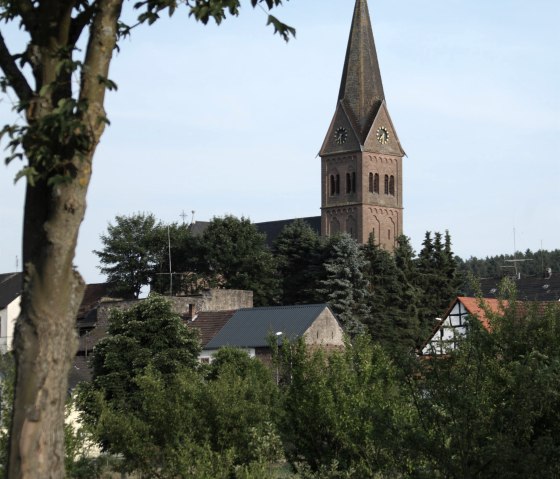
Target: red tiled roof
478	309
209	323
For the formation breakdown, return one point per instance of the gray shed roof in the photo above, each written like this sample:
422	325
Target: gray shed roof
251	327
11	285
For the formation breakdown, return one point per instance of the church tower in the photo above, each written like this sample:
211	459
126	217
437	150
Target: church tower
361	156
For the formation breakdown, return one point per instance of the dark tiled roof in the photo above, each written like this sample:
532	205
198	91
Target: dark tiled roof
251	327
361	88
533	288
93	293
11	285
209	323
198	227
273	228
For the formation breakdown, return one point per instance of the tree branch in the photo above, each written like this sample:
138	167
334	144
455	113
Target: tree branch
27	13
80	22
14	75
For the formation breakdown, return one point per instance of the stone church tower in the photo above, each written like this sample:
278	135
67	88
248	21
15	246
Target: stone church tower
361	156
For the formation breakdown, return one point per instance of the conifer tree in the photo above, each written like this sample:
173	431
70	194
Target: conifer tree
298	252
345	288
393	318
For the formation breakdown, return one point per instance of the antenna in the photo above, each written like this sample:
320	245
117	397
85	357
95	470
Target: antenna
170	272
183	215
192	217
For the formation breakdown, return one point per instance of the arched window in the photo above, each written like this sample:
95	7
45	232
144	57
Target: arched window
386	184
392	185
333	185
353	182
371	182
334	227
348	183
338	184
376	183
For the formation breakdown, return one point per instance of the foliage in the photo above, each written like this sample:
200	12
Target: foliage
7	378
345	288
345	411
491	408
132	248
234	252
298	250
393	316
535	263
239	409
60	78
180	256
436	279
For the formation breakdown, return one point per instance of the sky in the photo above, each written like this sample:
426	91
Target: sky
230	119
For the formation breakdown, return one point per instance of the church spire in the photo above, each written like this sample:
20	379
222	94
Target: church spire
361	89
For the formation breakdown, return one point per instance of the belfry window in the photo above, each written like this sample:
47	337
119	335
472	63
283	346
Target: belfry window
392	185
333	185
338	184
371	182
354	182
386	184
376	183
348	183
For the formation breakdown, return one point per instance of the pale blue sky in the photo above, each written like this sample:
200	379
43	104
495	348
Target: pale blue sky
229	120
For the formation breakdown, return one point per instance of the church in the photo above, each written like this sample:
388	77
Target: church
361	155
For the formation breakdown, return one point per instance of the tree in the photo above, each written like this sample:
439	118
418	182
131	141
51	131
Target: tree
63	123
132	248
148	353
298	250
490	409
392	320
346	410
235	253
436	279
344	286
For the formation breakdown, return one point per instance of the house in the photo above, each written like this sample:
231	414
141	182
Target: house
251	329
11	286
545	287
454	323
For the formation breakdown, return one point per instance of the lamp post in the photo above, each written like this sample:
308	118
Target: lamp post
278	339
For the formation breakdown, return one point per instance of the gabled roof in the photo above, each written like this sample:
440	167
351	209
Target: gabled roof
209	323
361	88
11	286
252	327
473	306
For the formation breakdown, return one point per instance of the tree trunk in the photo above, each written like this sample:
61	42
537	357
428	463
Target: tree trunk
45	337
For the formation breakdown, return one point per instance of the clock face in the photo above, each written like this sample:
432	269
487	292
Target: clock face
382	135
340	135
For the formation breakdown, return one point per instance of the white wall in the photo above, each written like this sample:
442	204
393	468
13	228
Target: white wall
8	317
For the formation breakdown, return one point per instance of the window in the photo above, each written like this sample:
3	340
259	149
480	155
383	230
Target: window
376	183
371	182
392	185
348	183
389	234
333	185
353	182
338	184
386	184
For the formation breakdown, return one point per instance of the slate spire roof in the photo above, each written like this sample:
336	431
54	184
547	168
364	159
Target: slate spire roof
361	89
